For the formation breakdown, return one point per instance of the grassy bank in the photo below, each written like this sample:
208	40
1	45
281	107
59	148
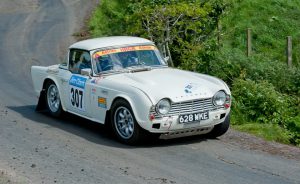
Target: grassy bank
266	92
271	22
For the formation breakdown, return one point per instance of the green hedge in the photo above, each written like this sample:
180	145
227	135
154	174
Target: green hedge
266	94
260	102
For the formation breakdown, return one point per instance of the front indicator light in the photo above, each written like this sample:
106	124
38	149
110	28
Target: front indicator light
227	102
227	106
152	117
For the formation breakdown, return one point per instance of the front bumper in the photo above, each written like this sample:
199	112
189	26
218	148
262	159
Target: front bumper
170	125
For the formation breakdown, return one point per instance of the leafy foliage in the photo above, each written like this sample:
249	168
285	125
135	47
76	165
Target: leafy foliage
169	23
208	36
108	20
178	27
232	64
259	101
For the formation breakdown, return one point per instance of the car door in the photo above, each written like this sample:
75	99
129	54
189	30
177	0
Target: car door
76	88
99	99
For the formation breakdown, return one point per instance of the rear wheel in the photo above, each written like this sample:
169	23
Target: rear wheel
221	128
124	124
53	99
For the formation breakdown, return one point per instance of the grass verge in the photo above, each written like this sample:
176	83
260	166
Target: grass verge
268	132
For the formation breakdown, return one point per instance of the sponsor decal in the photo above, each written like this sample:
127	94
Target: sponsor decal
102	102
94	91
77	98
124	49
78	81
76	89
190	88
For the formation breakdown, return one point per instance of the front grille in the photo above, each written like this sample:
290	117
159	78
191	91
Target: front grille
186	107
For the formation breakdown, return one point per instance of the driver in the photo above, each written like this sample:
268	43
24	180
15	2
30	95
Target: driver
128	58
104	63
85	61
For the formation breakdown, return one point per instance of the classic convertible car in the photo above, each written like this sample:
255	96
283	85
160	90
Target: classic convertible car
124	82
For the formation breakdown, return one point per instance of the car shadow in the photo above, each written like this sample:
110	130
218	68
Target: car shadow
92	131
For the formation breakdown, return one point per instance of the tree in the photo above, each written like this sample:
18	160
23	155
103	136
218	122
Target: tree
182	25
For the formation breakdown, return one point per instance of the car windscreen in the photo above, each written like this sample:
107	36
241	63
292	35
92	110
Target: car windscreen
127	57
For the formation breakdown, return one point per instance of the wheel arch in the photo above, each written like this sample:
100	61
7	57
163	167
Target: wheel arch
139	133
42	99
140	115
121	97
138	100
109	110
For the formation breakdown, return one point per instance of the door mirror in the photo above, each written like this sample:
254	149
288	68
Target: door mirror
86	72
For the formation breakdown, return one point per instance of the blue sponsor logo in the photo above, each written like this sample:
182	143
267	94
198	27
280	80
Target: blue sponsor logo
190	88
77	81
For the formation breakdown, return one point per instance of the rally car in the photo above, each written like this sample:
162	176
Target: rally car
124	82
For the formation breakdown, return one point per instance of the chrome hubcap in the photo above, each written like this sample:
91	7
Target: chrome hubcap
53	98
124	123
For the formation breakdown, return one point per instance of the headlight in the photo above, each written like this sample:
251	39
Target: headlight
163	106
220	98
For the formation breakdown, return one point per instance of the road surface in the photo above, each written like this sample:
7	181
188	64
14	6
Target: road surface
36	148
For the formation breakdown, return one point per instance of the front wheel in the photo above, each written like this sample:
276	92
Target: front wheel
53	99
124	124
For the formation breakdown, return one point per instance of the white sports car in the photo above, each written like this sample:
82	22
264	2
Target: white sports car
124	82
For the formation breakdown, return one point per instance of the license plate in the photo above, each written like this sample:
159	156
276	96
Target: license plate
194	117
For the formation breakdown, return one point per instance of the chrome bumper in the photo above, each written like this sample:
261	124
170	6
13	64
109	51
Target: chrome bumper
170	125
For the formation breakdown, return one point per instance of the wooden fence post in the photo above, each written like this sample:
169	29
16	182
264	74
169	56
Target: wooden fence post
249	42
289	51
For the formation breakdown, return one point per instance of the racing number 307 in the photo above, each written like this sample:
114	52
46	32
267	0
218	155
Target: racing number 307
76	98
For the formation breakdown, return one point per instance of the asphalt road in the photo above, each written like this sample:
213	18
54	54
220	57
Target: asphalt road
36	148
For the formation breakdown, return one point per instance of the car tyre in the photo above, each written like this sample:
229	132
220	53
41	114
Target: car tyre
53	101
124	125
221	128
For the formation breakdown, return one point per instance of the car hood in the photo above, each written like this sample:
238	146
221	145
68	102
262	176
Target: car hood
177	85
